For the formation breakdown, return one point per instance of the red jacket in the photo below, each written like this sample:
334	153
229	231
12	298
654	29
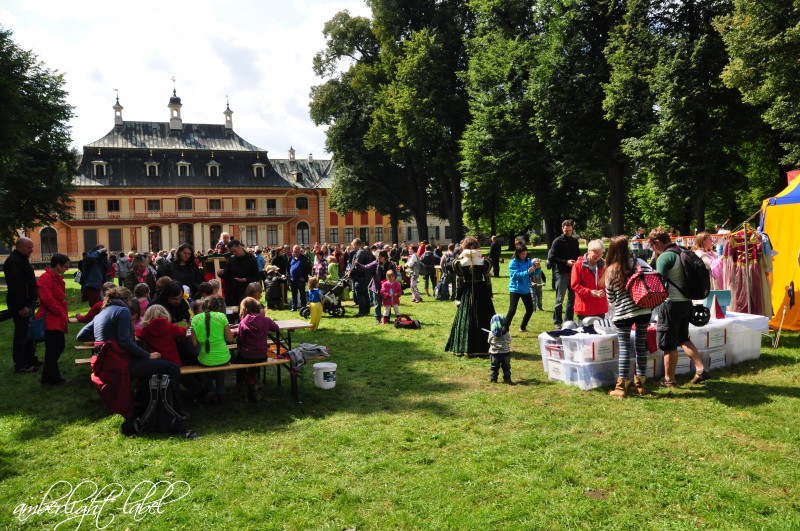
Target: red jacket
583	281
89	317
111	377
53	298
160	336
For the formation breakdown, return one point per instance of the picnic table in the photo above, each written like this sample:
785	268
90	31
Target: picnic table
282	341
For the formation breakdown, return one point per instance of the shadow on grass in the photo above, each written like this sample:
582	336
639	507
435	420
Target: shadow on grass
736	394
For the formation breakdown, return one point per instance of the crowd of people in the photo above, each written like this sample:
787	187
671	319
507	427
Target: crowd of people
167	308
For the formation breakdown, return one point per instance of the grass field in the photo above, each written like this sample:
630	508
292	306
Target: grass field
415	438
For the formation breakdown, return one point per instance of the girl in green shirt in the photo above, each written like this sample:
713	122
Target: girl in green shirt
210	331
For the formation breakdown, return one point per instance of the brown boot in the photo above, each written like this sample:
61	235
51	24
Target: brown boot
621	390
638	385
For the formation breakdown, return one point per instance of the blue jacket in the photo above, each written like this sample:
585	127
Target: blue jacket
519	280
113	322
95	271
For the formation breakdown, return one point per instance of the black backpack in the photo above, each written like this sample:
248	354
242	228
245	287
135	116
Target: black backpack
158	408
405	321
698	277
448	262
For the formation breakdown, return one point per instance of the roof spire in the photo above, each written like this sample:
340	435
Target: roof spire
117	110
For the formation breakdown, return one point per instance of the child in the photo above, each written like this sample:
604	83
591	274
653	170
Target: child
159	334
211	332
252	339
274	285
500	350
141	293
95	309
537	281
215	286
314	302
160	283
390	292
254	290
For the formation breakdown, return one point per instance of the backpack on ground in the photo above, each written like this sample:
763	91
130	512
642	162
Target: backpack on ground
405	321
441	291
647	287
158	408
698	279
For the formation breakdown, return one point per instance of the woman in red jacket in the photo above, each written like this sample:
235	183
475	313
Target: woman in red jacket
590	298
53	299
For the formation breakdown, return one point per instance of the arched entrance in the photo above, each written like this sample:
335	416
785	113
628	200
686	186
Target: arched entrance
49	241
303	233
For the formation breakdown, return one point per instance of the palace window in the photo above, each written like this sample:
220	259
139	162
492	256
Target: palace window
113	205
378	234
251	235
215	204
258	169
272	235
334	236
348	235
250	204
153	205
272	206
88	205
99	168
152	168
301	203
185	203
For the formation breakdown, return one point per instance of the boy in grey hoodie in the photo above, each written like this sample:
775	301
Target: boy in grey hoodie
500	350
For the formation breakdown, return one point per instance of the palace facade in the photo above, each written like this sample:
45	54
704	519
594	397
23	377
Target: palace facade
155	185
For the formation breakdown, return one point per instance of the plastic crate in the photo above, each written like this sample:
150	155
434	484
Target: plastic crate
746	335
655	366
714	358
590	347
586	376
713	335
550	347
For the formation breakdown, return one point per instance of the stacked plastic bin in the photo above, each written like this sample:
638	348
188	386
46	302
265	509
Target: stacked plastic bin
713	343
584	360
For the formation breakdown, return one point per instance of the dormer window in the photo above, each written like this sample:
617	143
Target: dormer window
212	167
298	177
183	167
99	168
258	169
151	166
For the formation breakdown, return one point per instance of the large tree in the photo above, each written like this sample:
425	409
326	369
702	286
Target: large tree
567	93
682	124
36	162
762	39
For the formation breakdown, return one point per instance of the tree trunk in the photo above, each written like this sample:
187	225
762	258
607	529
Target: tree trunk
394	223
510	240
616	200
700	214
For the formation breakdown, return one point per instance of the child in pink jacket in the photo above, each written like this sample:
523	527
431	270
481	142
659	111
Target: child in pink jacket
390	292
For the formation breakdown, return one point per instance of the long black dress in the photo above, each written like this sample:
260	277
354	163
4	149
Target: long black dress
475	311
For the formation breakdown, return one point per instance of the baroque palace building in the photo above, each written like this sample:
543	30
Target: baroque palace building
154	185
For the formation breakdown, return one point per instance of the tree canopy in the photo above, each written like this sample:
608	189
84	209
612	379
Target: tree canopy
36	162
523	112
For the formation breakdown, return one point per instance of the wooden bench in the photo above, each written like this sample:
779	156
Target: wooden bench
198	369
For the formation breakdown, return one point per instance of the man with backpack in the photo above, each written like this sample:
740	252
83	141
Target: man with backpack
674	313
359	278
447	286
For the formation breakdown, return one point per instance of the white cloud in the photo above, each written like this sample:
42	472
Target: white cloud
258	53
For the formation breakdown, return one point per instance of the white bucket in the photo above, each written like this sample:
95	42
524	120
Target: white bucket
325	375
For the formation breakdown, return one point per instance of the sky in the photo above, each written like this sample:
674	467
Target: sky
256	54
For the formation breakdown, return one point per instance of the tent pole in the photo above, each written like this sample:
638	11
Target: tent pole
746	267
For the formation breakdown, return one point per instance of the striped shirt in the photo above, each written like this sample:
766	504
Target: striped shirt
624	307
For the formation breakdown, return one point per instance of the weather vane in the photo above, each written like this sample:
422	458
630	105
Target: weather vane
173	82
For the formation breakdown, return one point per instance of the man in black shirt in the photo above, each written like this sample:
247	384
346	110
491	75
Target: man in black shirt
562	255
360	279
494	256
21	297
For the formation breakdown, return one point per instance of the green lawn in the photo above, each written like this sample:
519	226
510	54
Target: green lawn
415	438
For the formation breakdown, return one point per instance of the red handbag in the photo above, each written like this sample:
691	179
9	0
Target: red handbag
647	288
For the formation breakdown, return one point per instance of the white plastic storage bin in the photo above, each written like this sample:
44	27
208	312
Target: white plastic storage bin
684	365
746	334
550	347
713	335
714	358
584	375
655	366
590	347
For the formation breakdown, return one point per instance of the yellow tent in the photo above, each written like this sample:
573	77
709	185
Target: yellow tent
782	223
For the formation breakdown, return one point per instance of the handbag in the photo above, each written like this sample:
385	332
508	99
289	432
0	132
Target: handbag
36	327
647	288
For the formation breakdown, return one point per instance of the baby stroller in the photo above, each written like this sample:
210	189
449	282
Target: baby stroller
331	299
